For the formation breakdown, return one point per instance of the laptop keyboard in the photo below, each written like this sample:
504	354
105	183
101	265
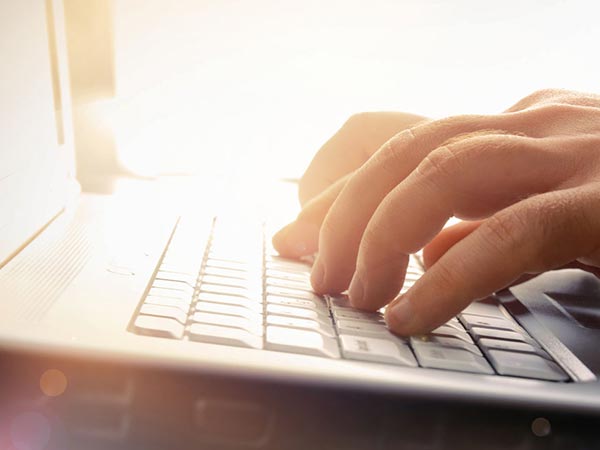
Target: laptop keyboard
227	286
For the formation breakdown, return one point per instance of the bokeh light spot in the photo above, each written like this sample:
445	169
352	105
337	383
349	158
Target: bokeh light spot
30	431
53	383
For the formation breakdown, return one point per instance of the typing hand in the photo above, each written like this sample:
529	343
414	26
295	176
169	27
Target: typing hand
527	180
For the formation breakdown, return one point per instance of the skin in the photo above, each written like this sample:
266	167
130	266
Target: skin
525	182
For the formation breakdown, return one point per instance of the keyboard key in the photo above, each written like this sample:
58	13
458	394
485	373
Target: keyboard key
228	264
254	284
214	334
231	300
512	346
173	285
230	290
164	311
485	310
296	293
456	325
471	321
526	365
158	327
287	265
189	279
229	273
299	303
243	323
302	313
354	314
340	301
229	310
376	350
289	284
492	333
304	324
444	341
450	331
183	305
301	341
292	276
362	328
438	357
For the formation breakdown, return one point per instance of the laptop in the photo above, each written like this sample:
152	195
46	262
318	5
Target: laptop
125	326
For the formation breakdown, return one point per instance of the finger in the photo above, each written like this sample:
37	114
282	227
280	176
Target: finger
350	147
301	237
346	221
537	234
445	240
470	179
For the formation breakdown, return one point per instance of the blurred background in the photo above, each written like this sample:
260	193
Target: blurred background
244	89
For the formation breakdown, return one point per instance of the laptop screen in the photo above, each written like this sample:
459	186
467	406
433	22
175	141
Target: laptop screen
36	151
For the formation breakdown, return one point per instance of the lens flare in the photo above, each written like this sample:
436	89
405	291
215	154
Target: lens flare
53	383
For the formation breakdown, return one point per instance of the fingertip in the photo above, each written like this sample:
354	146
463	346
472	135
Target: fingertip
297	239
400	317
317	277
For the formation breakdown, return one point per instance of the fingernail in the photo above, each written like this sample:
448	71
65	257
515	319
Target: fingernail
400	314
356	291
297	239
318	275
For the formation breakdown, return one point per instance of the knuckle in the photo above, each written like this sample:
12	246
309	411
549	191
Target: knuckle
505	229
440	165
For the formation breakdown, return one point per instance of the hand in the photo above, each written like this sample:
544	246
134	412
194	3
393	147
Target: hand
528	180
331	168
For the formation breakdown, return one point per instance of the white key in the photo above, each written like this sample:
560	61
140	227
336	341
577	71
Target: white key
171	293
164	311
353	314
304	324
446	330
301	341
183	304
229	310
296	293
485	310
231	300
173	285
449	358
376	350
228	264
289	284
445	341
292	276
299	303
471	321
526	365
361	328
228	321
158	327
301	313
230	290
190	280
340	301
229	273
254	284
493	333
214	334
288	266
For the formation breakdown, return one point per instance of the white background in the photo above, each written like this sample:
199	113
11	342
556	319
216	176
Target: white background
252	88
